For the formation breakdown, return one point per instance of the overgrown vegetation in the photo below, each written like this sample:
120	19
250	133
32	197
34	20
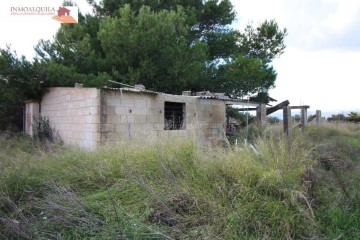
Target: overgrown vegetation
351	117
148	42
299	187
44	133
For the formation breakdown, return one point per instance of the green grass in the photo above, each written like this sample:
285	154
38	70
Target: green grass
337	190
302	186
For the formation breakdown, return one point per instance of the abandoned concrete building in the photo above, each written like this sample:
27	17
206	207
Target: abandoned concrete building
90	117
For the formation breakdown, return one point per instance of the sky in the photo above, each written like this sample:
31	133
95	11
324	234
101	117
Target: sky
320	66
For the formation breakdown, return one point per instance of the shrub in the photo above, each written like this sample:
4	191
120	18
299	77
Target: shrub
174	189
43	131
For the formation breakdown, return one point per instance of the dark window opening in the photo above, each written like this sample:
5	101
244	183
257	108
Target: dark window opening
174	116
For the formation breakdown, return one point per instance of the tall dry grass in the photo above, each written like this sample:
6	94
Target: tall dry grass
173	189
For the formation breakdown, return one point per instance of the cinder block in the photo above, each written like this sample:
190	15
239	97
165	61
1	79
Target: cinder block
154	119
127	119
81	136
147	126
81	120
127	102
108	110
112	101
94	93
74	120
190	126
123	128
89	102
80	95
67	98
62	92
88	119
201	118
66	127
96	136
205	113
72	112
82	111
208	119
62	112
96	118
62	106
152	111
96	101
94	128
112	136
75	135
205	102
72	105
67	112
158	126
59	120
218	116
120	110
94	110
67	120
81	103
82	128
113	119
74	127
139	119
89	136
140	102
108	127
134	110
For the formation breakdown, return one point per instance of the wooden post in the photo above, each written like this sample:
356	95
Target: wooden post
287	119
261	113
318	117
304	119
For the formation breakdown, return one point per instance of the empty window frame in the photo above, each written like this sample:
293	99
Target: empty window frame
174	116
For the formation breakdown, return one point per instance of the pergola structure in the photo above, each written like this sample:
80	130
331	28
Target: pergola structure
262	111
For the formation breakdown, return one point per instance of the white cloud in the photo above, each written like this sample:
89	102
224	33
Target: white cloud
346	13
320	64
323	79
256	11
312	24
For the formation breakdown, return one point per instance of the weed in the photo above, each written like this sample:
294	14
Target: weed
282	187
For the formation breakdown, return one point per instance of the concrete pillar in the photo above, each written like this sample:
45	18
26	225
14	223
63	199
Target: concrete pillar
287	119
304	117
32	113
318	117
261	113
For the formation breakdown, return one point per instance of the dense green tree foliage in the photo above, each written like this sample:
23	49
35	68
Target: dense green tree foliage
351	117
166	45
18	78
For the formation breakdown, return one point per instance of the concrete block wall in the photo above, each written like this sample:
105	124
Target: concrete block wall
207	118
127	115
74	113
141	115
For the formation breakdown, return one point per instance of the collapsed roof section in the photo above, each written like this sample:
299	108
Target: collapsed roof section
201	95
